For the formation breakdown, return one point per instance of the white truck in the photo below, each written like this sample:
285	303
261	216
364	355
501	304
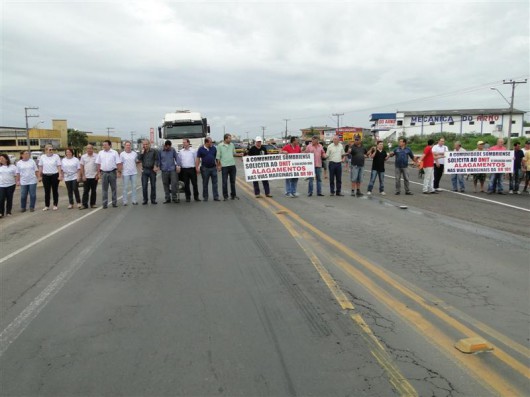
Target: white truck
183	124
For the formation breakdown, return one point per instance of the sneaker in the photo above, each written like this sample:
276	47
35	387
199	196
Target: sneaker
408	193
359	194
320	195
438	189
353	193
134	203
296	194
70	206
510	192
269	195
518	192
289	195
309	194
368	193
258	196
383	194
55	208
332	194
23	210
83	207
32	210
398	193
339	194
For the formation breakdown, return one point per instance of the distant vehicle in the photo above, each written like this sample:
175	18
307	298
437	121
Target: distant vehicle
183	124
271	149
241	148
36	155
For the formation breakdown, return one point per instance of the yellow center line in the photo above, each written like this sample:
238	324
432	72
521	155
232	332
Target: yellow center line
396	378
477	367
498	352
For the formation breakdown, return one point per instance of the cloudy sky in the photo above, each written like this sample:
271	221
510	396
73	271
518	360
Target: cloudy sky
248	64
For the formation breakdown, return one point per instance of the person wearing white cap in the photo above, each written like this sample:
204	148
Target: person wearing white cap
259	150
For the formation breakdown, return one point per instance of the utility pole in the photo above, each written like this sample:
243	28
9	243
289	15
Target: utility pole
132	140
263	137
27	127
337	115
108	131
513	84
286	120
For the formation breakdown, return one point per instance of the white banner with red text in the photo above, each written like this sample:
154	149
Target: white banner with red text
486	162
278	166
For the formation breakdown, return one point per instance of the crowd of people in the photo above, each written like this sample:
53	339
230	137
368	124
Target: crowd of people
208	160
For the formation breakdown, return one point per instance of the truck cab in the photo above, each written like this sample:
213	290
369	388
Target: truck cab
184	124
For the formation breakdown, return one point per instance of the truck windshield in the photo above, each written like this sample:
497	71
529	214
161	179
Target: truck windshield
184	131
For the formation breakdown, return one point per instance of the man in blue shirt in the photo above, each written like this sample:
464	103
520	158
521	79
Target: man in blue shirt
168	166
206	160
402	153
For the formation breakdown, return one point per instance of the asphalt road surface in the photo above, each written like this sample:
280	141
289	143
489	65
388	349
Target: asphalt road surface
312	296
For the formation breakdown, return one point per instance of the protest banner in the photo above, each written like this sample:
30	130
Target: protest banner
278	166
485	162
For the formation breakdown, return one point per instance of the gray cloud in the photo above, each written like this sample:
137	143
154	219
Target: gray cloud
246	65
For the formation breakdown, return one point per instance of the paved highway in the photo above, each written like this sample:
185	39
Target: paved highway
310	296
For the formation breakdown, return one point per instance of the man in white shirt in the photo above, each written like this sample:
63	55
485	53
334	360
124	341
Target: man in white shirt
188	170
335	154
109	168
439	151
129	159
90	177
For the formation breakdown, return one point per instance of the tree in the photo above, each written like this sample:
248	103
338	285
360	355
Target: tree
77	140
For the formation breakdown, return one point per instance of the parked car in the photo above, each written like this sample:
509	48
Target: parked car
271	149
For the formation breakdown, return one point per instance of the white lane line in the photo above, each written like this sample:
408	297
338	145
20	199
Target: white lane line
40	240
20	323
468	195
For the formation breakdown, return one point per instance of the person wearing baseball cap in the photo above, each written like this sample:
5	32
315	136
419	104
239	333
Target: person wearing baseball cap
259	150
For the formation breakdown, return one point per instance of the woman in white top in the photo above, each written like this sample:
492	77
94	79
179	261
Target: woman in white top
50	173
72	175
7	185
27	176
129	172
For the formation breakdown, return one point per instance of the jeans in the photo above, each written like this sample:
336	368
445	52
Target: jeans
405	173
291	185
149	175
90	185
495	183
170	181
109	178
335	175
428	179
373	176
51	184
206	174
458	180
72	189
438	172
189	175
6	199
356	173
515	180
24	190
132	180
318	177
226	172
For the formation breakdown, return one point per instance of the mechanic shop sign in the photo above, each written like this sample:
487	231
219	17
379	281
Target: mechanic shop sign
449	119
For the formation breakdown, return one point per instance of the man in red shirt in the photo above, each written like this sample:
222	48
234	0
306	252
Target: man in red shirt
291	183
497	179
428	168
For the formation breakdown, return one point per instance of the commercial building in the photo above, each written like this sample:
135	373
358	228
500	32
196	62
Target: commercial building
13	140
326	133
457	121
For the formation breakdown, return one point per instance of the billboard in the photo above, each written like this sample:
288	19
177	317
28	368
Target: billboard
385	124
349	133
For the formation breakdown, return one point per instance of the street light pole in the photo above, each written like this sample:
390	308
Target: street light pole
513	83
27	127
263	129
337	115
108	131
286	120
